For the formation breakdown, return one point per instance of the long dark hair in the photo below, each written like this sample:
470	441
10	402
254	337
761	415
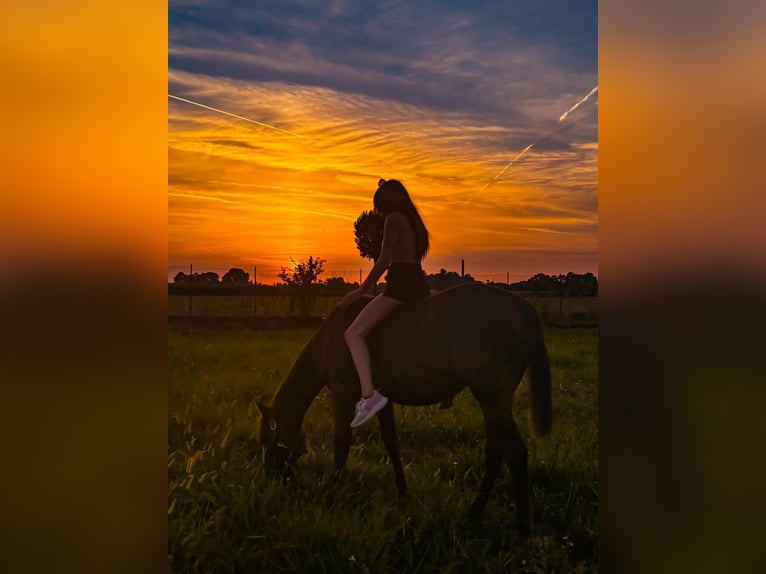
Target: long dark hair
390	197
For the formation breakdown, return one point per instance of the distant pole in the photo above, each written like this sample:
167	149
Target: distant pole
507	277
360	277
255	282
462	268
191	280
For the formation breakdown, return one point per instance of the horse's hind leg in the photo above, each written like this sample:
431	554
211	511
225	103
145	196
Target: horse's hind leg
515	456
504	444
493	460
388	433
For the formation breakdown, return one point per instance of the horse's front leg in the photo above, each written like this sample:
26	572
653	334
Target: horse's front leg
341	446
388	433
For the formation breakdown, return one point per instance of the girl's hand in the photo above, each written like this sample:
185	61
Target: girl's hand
350	298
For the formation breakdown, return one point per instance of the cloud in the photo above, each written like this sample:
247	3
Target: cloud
441	99
451	58
234	143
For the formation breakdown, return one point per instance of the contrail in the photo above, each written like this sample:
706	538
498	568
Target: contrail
577	105
234	116
554	132
525	150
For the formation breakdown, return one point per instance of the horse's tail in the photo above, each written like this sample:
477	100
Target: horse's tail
539	374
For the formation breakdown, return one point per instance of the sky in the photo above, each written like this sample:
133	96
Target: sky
283	116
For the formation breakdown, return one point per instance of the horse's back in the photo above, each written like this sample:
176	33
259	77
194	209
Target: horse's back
428	351
476	308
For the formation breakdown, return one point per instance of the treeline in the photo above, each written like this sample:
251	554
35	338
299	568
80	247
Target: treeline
306	282
569	285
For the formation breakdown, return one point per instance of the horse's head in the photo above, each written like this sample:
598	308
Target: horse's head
283	442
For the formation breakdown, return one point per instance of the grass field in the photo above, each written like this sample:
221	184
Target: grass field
227	514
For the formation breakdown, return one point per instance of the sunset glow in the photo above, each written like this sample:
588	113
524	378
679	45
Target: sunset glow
296	130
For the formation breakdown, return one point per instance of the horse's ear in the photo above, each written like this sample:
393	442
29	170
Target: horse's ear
261	407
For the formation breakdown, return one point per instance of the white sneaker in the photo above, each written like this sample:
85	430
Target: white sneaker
368	408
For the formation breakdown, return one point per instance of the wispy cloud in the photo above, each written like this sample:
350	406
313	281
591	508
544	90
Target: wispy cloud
514	160
537	142
435	98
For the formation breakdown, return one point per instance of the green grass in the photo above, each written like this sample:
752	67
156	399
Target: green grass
228	514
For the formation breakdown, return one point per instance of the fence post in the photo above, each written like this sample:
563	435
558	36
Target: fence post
191	281
255	282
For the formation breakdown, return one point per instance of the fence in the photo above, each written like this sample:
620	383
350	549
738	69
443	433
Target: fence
348	275
560	311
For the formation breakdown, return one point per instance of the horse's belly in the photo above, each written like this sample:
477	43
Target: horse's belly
419	390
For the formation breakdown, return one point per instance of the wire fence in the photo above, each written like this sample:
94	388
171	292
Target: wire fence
557	311
266	299
348	275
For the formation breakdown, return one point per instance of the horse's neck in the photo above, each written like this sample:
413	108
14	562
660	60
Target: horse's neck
298	390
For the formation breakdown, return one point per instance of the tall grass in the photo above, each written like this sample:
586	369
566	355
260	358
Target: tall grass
226	513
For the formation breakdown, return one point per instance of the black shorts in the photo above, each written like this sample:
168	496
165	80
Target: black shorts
406	282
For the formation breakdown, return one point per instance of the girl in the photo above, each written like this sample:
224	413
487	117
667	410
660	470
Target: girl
405	244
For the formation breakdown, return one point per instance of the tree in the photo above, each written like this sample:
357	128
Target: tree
336	286
301	277
368	234
569	285
181	277
207	277
304	273
236	275
582	285
444	279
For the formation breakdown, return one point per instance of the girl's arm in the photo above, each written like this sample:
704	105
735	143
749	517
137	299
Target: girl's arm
391	235
391	228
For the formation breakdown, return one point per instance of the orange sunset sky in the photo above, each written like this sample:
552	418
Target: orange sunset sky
331	98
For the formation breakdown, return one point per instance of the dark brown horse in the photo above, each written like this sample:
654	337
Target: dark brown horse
473	336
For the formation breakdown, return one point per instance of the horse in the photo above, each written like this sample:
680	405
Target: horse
471	335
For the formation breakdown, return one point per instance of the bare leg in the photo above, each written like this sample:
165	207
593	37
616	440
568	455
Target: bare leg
375	311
